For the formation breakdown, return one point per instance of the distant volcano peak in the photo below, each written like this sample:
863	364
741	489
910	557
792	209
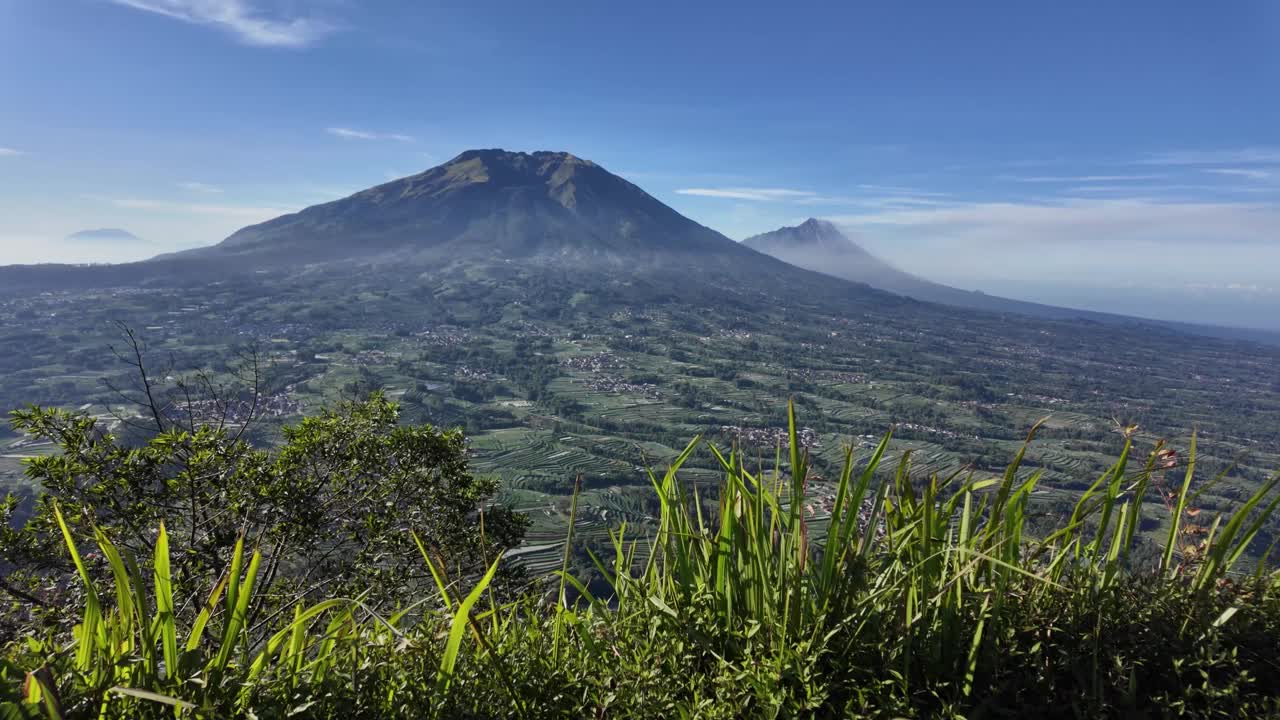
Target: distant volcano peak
104	234
485	202
514	156
811	235
510	166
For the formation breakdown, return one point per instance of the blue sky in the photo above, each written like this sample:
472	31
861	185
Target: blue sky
1123	155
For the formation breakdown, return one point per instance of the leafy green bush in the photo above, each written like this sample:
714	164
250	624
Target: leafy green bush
329	508
920	599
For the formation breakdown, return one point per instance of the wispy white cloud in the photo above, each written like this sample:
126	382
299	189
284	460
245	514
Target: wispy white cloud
879	201
353	134
1163	191
1244	156
1250	288
249	23
1250	173
746	193
1085	220
229	211
9	152
1039	249
199	187
900	198
687	178
901	190
1083	178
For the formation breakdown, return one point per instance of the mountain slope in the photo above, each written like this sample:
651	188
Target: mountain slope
820	246
510	221
103	235
517	220
491	202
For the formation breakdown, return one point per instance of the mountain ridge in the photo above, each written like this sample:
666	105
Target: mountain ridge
550	210
821	246
820	237
497	201
108	234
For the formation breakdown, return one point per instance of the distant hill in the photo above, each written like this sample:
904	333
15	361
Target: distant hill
103	235
820	246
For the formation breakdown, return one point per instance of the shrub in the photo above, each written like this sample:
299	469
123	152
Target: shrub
901	599
329	509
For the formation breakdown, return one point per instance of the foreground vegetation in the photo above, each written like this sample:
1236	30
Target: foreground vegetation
554	371
918	597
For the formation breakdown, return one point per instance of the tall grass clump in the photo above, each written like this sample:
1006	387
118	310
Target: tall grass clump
933	596
917	597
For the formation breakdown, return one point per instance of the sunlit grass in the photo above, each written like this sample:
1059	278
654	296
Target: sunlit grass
925	596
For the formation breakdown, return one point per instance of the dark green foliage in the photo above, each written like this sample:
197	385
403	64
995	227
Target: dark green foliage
331	507
924	600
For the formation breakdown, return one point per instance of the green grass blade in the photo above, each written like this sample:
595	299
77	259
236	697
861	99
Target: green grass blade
1180	507
89	630
164	602
461	617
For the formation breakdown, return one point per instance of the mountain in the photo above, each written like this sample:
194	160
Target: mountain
103	235
483	205
516	218
482	202
820	246
499	223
